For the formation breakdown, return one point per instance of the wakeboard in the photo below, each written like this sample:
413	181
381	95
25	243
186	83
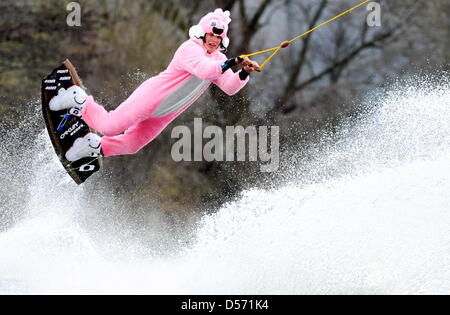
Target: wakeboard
65	126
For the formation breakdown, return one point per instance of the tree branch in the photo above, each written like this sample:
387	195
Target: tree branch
254	25
171	12
225	4
249	27
297	68
242	14
345	61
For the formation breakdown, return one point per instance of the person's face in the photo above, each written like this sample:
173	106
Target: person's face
212	42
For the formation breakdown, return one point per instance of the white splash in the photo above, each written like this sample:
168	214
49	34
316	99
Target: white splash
367	213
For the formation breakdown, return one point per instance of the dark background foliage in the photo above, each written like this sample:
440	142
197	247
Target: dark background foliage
316	82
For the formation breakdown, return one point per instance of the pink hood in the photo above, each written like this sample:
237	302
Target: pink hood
214	22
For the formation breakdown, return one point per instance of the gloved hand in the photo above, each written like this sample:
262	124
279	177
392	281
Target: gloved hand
248	65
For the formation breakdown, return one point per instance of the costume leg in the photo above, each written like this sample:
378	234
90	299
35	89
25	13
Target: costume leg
138	107
134	138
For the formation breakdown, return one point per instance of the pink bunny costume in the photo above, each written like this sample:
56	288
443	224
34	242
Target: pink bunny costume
160	99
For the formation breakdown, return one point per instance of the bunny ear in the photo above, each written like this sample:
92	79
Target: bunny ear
226	42
196	31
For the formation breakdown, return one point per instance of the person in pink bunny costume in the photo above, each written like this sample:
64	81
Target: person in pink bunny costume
197	63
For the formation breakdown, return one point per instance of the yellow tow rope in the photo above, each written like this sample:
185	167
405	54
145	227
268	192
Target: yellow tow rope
286	43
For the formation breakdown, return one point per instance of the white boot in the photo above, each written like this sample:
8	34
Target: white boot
72	97
88	146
